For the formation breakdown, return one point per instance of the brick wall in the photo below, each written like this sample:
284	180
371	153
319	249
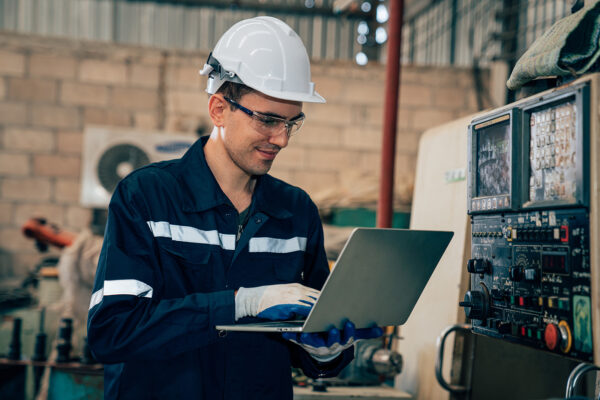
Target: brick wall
51	88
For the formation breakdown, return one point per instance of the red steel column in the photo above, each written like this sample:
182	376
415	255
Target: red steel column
390	116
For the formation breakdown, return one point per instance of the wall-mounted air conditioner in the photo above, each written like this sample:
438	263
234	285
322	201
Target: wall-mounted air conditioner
109	154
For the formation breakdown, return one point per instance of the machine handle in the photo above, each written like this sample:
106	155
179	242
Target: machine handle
575	375
439	362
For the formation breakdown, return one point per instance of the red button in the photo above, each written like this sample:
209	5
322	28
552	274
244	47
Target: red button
564	233
551	336
523	332
521	301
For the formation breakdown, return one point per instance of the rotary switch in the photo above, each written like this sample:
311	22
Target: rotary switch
476	304
530	274
479	266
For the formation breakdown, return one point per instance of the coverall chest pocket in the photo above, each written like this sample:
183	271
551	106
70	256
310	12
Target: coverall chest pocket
272	269
192	268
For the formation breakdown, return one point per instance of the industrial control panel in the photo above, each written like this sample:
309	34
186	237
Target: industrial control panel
529	204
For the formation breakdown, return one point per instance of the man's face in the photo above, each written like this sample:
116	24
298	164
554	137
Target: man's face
252	151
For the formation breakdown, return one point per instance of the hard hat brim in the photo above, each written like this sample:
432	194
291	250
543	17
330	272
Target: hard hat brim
291	96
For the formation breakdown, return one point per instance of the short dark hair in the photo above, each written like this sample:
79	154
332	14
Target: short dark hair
235	91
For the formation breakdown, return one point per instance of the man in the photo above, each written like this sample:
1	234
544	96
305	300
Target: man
211	239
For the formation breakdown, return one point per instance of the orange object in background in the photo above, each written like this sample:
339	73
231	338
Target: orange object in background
331	264
47	234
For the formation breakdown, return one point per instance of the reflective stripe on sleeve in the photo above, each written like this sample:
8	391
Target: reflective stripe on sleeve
128	287
190	234
96	298
273	245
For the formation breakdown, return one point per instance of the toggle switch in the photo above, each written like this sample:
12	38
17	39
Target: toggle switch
530	274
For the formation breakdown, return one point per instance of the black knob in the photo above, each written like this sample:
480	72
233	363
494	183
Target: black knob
471	265
479	266
476	304
504	327
515	273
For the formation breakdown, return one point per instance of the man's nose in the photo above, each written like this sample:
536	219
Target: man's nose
280	139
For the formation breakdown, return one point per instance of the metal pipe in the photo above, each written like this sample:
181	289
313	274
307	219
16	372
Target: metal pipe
453	32
390	116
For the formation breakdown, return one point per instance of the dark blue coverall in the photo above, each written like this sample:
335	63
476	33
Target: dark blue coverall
167	274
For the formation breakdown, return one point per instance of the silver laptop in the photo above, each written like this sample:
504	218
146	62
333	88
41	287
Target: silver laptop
376	280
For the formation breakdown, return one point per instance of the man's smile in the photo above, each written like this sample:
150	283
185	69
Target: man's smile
267	153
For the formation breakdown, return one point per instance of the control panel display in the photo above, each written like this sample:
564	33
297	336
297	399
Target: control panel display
493	160
553	154
553	262
491	163
530	221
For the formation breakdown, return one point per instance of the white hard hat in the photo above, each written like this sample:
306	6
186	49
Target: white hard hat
265	54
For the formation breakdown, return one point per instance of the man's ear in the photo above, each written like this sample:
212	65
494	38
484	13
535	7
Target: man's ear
216	109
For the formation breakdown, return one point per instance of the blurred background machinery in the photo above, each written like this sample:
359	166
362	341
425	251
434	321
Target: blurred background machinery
45	336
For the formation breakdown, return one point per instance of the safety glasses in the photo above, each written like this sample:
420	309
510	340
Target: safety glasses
269	125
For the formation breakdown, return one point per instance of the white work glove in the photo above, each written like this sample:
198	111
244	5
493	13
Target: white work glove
275	302
325	346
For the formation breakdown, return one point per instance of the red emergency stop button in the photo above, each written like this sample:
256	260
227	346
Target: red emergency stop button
551	336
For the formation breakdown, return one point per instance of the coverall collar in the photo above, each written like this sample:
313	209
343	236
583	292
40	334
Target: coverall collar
197	174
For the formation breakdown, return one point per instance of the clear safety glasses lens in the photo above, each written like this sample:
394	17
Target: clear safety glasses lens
272	126
268	125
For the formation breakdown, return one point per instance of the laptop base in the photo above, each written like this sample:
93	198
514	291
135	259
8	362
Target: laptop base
269	326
